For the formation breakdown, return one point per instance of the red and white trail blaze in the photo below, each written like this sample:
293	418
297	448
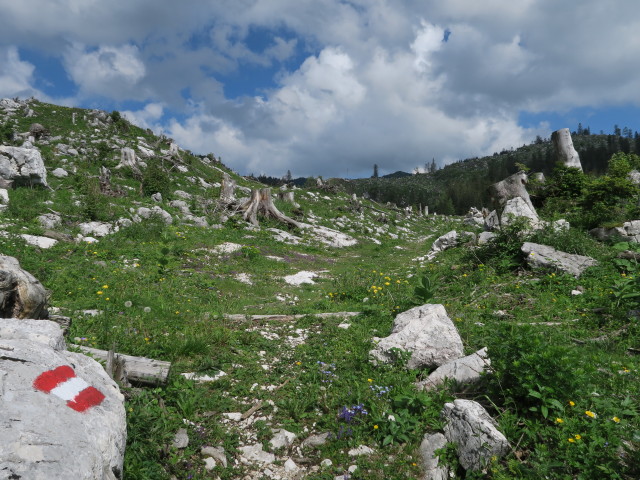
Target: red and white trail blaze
63	383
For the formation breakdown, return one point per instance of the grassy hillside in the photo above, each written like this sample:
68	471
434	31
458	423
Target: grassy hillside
461	185
565	366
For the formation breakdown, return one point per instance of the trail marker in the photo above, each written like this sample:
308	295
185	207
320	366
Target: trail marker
63	383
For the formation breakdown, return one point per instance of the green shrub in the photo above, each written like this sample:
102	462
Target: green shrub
155	179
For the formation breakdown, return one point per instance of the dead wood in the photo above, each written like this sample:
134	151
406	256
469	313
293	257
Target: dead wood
140	370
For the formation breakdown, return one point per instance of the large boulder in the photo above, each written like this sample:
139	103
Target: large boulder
21	294
548	258
61	416
474	432
628	232
426	333
22	165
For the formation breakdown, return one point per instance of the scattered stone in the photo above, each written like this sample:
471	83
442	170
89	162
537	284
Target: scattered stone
234	416
181	439
485	237
217	453
326	463
465	370
37	241
472	429
60	173
300	278
49	221
282	438
255	454
361	450
209	464
430	462
284	237
548	258
97	229
314	441
290	466
427	333
227	247
201	378
147	213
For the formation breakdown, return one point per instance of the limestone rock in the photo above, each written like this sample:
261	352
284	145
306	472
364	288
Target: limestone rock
217	453
97	229
22	165
146	213
472	429
361	450
60	173
255	454
77	430
329	236
548	258
464	370
430	464
300	278
181	439
563	149
485	237
492	222
49	221
317	440
282	438
21	294
427	333
448	240
516	208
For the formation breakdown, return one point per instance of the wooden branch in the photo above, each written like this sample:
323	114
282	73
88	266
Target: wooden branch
142	370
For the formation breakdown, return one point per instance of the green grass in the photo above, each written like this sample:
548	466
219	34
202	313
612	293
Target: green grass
164	293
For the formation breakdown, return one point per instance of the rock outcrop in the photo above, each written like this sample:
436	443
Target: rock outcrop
61	416
22	165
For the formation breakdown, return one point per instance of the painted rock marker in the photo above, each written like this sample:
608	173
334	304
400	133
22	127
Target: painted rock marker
63	383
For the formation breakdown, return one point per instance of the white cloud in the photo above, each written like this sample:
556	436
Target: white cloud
16	76
378	84
107	71
147	117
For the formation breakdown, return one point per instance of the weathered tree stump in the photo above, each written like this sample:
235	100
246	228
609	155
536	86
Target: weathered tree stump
228	189
511	187
563	149
262	203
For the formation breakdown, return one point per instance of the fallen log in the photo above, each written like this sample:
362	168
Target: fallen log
142	370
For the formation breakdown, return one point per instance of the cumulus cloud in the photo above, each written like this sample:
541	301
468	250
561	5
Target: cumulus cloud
351	83
147	117
16	75
106	71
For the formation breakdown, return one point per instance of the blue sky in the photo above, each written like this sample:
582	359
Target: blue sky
332	87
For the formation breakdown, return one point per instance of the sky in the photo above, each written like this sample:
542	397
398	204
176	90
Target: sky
331	87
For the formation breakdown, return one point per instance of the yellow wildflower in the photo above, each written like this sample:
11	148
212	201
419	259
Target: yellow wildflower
578	437
589	413
572	403
559	420
616	419
571	440
99	292
375	427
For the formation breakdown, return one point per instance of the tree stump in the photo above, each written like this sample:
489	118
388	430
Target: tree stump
510	187
228	189
563	149
262	203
